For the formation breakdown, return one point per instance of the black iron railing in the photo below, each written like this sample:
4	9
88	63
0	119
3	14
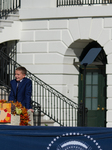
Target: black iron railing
81	2
53	104
8	6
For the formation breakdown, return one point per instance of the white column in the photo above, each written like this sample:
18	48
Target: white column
53	3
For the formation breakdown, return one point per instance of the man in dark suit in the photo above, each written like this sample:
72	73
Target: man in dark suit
21	88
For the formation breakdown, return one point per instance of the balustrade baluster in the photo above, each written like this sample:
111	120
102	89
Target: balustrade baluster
69	115
57	107
60	112
81	2
51	106
54	107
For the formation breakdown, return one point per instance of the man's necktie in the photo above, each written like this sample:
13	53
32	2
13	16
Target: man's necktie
17	89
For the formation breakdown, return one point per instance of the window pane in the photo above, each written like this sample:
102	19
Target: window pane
88	103
94	104
95	77
88	78
88	91
95	91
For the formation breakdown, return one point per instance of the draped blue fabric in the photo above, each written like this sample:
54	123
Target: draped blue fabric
55	138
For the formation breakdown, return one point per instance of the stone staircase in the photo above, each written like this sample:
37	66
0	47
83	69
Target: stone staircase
7	22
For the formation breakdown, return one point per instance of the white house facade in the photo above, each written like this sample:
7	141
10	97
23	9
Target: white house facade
51	41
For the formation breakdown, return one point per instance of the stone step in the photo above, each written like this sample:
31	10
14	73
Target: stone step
45	121
14	17
1	28
5	23
8	20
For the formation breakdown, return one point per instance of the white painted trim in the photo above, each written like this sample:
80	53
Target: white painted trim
66	12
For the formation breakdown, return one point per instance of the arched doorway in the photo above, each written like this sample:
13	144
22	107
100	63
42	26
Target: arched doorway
95	87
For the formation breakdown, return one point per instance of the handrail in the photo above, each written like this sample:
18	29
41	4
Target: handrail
53	104
81	2
8	6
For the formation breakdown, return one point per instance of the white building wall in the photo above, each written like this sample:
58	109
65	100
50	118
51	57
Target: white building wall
42	49
52	38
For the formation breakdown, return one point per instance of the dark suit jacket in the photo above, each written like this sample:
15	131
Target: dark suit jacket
24	92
